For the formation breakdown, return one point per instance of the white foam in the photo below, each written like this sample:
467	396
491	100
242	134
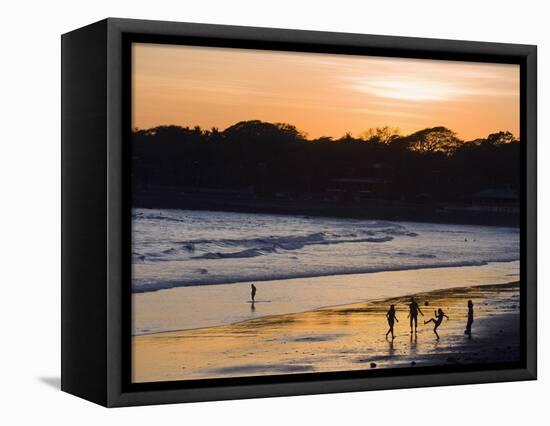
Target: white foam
174	248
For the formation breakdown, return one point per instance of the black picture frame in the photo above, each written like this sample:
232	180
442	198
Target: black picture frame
96	206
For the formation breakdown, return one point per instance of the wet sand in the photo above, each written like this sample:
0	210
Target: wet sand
186	308
340	338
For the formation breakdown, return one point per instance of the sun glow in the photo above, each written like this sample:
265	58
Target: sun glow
321	94
413	90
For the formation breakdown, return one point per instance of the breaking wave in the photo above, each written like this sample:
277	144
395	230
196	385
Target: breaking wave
262	246
172	248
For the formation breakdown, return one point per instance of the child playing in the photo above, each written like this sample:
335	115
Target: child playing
468	330
437	320
390	315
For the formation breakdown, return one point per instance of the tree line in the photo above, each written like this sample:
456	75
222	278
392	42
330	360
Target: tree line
273	158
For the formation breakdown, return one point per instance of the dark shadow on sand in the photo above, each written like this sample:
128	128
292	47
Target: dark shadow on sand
263	368
318	338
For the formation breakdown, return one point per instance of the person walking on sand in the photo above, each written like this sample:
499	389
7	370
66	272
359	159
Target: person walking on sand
252	292
468	330
390	315
439	315
414	310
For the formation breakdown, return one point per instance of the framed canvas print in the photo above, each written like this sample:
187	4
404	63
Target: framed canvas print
253	212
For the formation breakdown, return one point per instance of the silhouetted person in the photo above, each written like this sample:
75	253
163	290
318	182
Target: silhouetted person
468	330
390	315
414	310
439	315
252	292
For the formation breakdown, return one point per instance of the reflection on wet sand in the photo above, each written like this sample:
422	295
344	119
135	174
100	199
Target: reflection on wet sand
338	339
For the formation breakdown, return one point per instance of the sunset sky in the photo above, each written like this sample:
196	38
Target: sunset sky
323	95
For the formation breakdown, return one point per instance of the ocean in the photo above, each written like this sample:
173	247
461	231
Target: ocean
179	248
193	269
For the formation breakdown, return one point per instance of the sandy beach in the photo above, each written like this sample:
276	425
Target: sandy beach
186	308
339	338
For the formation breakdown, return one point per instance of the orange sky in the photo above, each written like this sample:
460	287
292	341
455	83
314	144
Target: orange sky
323	95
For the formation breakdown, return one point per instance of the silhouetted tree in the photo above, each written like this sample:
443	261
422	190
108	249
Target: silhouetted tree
272	158
383	135
500	138
435	139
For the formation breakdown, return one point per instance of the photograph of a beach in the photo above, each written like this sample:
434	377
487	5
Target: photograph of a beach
304	213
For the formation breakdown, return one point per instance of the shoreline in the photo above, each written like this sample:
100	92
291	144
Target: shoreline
152	289
193	307
338	338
